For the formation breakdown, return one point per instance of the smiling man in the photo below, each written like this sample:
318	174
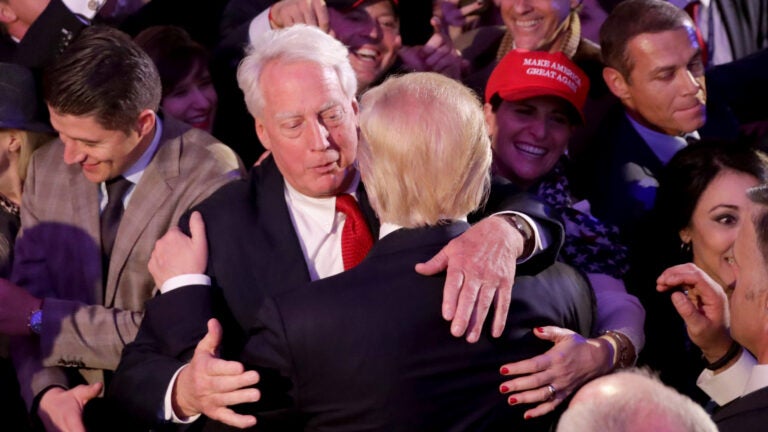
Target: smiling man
89	221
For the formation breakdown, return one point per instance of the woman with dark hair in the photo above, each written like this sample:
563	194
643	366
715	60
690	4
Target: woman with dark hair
188	92
699	206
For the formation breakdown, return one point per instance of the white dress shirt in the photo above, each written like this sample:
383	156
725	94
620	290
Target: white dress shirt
734	382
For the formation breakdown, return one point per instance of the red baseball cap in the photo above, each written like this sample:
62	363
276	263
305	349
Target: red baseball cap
526	74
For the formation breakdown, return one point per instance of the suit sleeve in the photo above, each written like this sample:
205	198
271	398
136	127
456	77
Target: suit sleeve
173	325
505	199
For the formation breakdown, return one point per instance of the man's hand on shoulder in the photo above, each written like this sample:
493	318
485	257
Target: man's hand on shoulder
481	265
176	254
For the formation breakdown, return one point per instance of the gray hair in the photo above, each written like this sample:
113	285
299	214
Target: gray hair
293	44
634	401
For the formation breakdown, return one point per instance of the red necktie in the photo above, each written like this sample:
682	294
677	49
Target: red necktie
693	10
356	238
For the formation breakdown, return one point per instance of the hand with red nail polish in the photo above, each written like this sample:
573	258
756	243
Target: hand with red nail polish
572	361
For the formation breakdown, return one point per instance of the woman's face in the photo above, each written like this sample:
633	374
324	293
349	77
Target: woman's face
529	136
534	22
715	222
193	100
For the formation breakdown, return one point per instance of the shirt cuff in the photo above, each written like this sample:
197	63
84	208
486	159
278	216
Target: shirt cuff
538	238
184	280
728	384
84	8
168	413
259	25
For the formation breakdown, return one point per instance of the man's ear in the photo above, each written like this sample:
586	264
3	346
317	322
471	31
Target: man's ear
7	14
490	119
261	132
146	122
616	82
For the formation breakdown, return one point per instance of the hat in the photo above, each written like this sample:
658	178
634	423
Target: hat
350	4
18	100
526	74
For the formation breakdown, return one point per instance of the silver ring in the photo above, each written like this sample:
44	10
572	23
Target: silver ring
552	391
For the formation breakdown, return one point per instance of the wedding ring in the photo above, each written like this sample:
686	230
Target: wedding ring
552	391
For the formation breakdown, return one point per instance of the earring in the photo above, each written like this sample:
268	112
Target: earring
730	260
685	247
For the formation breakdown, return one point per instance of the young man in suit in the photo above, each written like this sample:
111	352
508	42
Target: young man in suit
81	257
654	67
280	230
730	324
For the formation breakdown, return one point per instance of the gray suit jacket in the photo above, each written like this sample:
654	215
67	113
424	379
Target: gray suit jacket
58	258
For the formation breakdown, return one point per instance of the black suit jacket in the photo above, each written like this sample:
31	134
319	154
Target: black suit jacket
254	253
47	37
747	413
367	350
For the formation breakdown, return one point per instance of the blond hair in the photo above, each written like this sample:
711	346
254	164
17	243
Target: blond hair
424	152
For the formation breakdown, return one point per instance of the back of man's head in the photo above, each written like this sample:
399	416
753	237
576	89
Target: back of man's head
632	18
633	401
297	43
105	75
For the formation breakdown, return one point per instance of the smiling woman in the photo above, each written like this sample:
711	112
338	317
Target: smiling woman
534	102
188	92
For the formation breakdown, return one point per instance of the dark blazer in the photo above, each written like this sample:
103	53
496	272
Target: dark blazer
747	413
619	178
367	350
47	37
254	253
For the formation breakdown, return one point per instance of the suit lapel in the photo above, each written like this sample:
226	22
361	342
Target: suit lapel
154	188
278	228
85	213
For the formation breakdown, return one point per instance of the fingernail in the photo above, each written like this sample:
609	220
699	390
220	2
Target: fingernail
504	389
512	401
504	371
540	329
527	416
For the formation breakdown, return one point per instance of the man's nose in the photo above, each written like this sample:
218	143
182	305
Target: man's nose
72	152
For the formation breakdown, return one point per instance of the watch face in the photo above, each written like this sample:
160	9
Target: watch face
36	321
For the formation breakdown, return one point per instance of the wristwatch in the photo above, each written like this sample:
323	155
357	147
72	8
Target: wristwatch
35	322
521	225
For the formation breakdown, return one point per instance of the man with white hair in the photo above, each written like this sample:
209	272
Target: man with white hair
633	401
285	227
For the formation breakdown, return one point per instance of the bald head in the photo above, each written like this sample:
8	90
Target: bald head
633	401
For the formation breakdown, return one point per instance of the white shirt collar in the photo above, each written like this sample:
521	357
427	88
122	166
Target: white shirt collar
758	379
322	210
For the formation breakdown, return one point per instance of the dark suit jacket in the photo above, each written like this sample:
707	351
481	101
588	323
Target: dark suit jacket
747	413
746	23
47	37
367	350
254	253
58	258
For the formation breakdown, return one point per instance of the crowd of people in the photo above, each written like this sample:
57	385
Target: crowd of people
383	215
